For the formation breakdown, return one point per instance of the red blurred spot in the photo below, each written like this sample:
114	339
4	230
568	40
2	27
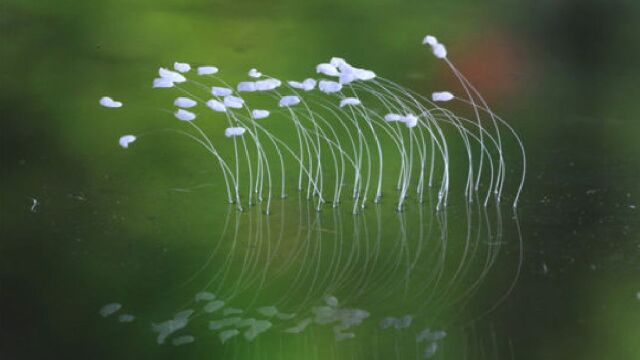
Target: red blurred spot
495	64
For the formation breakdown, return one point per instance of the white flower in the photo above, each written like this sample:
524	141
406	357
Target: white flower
106	101
393	117
125	140
181	67
289	100
246	86
442	96
410	120
429	40
337	62
234	131
259	114
171	75
268	84
216	105
307	85
162	82
254	73
327	69
233	102
221	91
327	86
439	51
184	115
207	70
350	101
184	102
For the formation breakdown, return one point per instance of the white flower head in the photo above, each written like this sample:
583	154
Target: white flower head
259	114
327	69
125	140
207	70
221	91
233	102
289	100
393	117
185	115
349	101
216	105
184	102
171	75
106	101
328	86
439	51
410	120
442	96
246	86
181	67
162	82
234	131
254	73
268	84
429	40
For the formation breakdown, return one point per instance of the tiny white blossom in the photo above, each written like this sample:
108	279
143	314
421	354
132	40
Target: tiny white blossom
125	140
259	114
207	70
216	105
289	100
233	102
185	102
246	86
184	115
181	67
328	87
442	96
350	101
254	73
221	91
327	69
234	131
106	101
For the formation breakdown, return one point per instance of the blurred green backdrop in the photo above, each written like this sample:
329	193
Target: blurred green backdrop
108	225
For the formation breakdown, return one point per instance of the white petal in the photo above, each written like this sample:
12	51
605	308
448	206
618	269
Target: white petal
308	84
289	100
259	114
221	91
393	117
171	75
254	73
439	51
185	102
216	105
429	40
350	101
327	86
268	84
109	102
181	67
246	86
362	74
207	70
184	115
125	140
295	84
162	82
233	102
347	77
234	131
410	120
442	96
337	62
327	69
